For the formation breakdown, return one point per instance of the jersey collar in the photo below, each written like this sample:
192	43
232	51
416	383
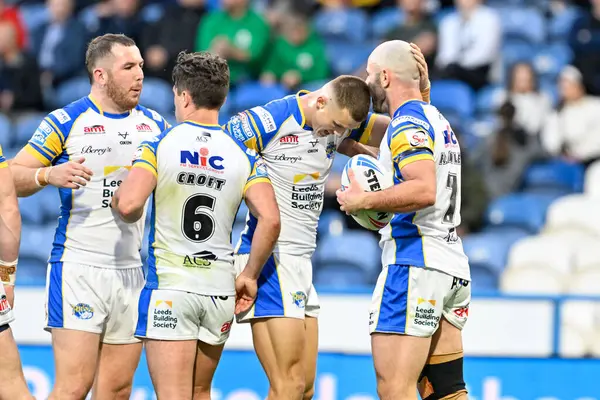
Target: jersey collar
397	112
96	107
299	112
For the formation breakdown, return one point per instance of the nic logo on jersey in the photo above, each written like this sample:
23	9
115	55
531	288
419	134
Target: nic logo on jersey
202	159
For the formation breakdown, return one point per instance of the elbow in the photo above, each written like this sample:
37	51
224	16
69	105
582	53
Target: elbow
428	197
128	212
272	224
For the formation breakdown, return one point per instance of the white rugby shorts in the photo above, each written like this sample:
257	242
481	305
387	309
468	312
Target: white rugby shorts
93	299
177	315
411	300
6	313
285	288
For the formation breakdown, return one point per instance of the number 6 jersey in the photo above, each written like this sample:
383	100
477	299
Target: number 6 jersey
426	238
202	174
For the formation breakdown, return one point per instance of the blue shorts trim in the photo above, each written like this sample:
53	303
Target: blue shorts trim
269	300
394	300
143	307
55	296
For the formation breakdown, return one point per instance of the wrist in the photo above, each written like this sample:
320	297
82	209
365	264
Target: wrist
251	272
366	201
46	176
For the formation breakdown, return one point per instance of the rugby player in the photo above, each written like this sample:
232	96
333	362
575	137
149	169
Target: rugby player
199	175
11	373
95	270
297	137
421	299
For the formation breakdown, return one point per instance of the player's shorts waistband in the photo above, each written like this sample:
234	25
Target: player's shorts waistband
85	265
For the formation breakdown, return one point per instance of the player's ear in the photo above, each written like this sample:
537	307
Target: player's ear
384	78
100	76
321	102
187	99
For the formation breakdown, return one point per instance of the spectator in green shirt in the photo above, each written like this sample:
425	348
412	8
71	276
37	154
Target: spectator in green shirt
298	55
237	34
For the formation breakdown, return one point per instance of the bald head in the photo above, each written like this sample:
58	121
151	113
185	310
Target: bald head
396	56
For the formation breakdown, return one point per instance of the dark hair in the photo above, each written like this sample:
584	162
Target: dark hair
511	75
352	93
101	47
205	76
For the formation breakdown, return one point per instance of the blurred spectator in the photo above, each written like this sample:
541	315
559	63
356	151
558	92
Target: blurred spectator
117	16
573	130
297	56
469	43
238	34
417	27
174	32
508	153
12	15
19	74
279	8
585	43
532	106
349	3
60	44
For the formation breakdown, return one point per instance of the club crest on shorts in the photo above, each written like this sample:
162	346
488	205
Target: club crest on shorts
4	306
83	311
299	299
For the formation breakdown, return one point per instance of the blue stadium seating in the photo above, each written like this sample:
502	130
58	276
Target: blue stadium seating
339	162
49	203
453	96
36	241
550	60
157	95
30	208
314	85
560	24
488	252
340	274
359	248
242	212
71	90
345	57
331	223
252	94
514	51
349	24
5	132
386	20
31	271
522	23
522	210
488	99
553	176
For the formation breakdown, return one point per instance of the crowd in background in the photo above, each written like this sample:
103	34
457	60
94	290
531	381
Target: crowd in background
534	111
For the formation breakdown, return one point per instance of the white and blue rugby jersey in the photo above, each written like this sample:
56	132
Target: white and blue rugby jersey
426	238
89	232
202	174
3	163
298	163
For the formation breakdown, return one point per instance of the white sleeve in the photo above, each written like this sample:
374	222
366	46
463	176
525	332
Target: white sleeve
486	49
551	136
449	42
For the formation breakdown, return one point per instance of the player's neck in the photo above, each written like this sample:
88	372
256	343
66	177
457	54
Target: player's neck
307	106
203	116
104	103
401	96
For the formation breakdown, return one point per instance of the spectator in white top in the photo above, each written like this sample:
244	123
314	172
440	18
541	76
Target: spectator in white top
532	106
572	131
469	43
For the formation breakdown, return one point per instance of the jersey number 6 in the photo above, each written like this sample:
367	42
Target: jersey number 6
196	224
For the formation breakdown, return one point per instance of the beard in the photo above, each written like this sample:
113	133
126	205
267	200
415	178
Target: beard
120	96
378	96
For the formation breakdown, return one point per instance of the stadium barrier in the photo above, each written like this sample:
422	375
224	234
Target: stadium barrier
511	347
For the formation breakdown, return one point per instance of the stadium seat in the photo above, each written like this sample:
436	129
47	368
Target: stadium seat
353	248
339	162
31	272
350	24
25	126
386	20
524	210
532	280
157	95
152	13
542	251
483	279
489	99
560	25
555	174
31	209
346	57
331	223
49	204
591	183
251	94
71	90
340	274
522	23
574	213
36	241
514	51
6	137
454	96
550	60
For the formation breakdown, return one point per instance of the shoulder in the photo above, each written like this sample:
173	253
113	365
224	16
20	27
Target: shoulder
63	118
154	116
412	114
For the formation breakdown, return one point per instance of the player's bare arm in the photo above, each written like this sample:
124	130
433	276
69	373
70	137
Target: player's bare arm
10	233
30	174
415	193
129	200
261	201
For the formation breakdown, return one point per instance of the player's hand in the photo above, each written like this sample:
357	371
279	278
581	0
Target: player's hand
246	290
422	65
352	198
70	175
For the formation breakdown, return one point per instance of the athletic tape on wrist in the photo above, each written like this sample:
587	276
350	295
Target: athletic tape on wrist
37	181
8	272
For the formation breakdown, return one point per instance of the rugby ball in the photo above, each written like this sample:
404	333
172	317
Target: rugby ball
372	176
